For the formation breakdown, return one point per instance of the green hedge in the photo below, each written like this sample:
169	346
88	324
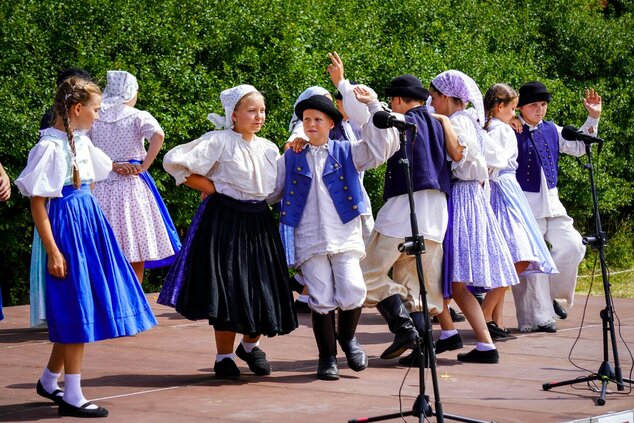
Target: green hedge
185	52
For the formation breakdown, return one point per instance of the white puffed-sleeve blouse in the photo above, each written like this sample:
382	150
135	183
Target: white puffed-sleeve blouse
244	170
49	165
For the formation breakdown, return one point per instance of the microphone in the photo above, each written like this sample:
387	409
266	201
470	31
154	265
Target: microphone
571	133
384	120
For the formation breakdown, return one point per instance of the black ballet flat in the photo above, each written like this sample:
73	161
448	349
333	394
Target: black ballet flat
53	396
66	409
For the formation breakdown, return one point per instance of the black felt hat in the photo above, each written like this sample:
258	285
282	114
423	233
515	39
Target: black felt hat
321	103
532	92
407	86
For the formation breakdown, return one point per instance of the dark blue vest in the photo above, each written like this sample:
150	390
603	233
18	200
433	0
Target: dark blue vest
427	157
537	151
340	177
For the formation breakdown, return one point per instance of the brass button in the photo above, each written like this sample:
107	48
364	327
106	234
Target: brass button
299	168
341	178
283	213
294	182
288	203
350	198
345	187
292	193
354	207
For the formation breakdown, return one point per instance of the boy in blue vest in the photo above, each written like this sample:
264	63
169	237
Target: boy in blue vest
323	201
539	145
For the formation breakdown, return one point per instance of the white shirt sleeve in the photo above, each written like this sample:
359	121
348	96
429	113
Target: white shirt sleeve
376	145
148	125
101	163
45	171
578	148
196	157
357	112
276	195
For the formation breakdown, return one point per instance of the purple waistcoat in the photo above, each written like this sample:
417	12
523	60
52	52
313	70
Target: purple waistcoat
427	157
537	151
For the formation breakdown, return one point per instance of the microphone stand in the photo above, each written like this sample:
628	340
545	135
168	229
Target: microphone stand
415	245
599	241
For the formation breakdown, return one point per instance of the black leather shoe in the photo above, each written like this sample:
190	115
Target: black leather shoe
327	368
475	356
226	369
66	409
546	327
496	331
559	310
55	396
256	360
412	359
454	342
356	357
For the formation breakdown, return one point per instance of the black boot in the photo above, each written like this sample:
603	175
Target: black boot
348	321
413	359
324	330
395	314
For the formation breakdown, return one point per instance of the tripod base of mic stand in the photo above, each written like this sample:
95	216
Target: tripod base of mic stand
605	375
418	409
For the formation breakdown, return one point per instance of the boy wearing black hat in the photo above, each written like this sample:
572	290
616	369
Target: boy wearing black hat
539	145
322	200
397	298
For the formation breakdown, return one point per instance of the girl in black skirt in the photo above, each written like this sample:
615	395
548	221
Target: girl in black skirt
232	268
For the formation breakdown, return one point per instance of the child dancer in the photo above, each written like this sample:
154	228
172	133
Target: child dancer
231	269
526	244
539	145
132	203
90	289
480	256
323	202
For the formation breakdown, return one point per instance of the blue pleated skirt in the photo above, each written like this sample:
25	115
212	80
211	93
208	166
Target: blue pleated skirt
481	258
519	227
100	297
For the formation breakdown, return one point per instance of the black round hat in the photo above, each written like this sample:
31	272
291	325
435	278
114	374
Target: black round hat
407	86
532	92
321	103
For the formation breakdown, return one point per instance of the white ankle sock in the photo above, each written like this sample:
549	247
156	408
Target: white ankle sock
220	357
72	391
248	346
444	334
49	380
483	346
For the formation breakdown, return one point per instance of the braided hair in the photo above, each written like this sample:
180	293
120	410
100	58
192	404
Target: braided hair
72	91
497	94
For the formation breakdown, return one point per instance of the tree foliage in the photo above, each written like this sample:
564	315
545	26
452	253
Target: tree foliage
185	52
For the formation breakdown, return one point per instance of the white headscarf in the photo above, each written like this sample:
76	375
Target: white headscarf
229	98
454	83
308	92
121	87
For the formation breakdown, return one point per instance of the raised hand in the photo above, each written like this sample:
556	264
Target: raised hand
592	103
335	68
363	94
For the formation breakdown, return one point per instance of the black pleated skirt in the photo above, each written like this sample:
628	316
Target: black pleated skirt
235	271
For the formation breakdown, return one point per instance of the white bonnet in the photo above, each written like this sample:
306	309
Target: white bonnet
229	98
121	87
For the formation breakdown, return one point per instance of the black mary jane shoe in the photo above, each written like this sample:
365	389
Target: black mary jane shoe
496	331
476	356
55	396
66	409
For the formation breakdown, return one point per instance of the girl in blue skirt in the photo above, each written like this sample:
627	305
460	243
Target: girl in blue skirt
91	293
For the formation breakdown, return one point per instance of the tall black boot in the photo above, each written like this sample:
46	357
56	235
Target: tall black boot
324	330
413	359
348	321
393	311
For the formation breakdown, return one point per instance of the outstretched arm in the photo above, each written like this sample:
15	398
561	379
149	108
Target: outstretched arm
592	103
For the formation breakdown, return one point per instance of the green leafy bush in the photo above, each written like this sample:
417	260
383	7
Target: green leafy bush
185	52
